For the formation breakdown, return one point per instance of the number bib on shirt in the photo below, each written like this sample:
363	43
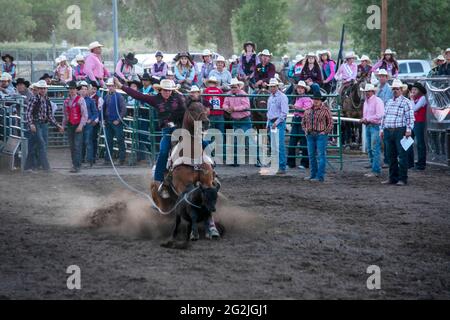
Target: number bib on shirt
215	103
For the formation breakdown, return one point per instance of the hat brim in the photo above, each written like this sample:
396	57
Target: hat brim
420	87
240	84
159	87
7	56
302	86
26	83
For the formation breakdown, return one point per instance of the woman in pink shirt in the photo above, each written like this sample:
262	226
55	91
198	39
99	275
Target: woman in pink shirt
64	71
302	104
94	68
78	71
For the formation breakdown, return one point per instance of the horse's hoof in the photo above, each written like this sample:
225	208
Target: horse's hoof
169	244
213	234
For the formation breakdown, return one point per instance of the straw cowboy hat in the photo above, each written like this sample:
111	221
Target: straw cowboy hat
311	54
399	84
448	50
299	57
236	82
6	77
366	58
79	58
211	79
382	72
389	51
350	55
303	85
94	45
41	84
62	59
369	87
7	56
285	57
220	59
82	84
233	58
206	53
274	83
166	84
440	58
110	82
194	88
265	52
327	52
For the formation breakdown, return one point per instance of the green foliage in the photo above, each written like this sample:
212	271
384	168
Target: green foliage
15	22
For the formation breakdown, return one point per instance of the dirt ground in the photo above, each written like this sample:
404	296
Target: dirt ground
285	239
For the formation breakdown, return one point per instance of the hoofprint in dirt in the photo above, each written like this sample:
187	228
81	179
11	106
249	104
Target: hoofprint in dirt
286	238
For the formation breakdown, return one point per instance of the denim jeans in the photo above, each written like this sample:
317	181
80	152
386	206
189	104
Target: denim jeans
244	124
293	142
38	150
95	134
398	158
164	149
374	147
116	131
280	149
75	143
32	162
88	142
418	135
317	144
220	125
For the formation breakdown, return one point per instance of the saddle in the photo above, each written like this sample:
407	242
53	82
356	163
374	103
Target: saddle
176	160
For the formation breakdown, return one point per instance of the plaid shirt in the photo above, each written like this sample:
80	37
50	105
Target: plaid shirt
40	109
398	113
318	120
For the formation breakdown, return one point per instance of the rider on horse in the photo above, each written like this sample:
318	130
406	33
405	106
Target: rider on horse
347	72
364	70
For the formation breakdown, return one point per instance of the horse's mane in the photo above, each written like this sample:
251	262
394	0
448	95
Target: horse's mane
195	112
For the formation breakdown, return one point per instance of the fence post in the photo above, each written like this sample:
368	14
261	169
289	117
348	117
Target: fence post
134	135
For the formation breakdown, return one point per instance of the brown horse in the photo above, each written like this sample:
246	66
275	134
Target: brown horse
181	176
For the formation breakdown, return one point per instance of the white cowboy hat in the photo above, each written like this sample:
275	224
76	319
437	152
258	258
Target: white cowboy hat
220	59
311	54
194	89
274	83
285	57
79	57
236	82
166	84
6	77
212	79
389	51
382	72
233	58
83	84
399	84
265	52
94	45
110	82
440	58
303	85
299	57
41	84
32	86
369	87
170	73
350	55
365	58
448	50
326	52
62	58
57	60
206	52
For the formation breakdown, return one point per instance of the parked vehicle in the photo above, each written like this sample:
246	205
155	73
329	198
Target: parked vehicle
413	68
73	52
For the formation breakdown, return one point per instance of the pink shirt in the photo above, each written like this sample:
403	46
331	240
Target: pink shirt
64	73
94	68
240	105
347	72
373	110
302	103
125	72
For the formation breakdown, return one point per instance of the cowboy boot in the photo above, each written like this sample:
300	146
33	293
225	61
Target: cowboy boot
162	191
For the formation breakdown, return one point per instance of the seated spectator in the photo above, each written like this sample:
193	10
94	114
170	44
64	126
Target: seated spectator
78	71
6	87
22	87
184	70
125	68
159	69
222	75
8	65
311	69
63	71
234	66
207	66
444	69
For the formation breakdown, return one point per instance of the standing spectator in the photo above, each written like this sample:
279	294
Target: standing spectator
248	62
39	114
311	69
75	117
301	105
444	69
328	70
265	71
207	66
78	72
239	109
216	103
397	123
277	110
8	65
22	87
388	63
419	104
318	124
94	95
234	66
64	72
113	112
221	74
6	87
94	68
364	69
184	70
159	69
91	122
125	68
385	94
372	114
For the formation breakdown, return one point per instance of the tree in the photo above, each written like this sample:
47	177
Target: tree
415	27
265	23
15	20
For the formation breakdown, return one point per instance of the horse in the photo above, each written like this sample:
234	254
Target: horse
180	176
260	103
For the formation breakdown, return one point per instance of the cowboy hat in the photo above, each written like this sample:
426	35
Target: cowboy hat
369	87
382	72
82	84
399	84
183	54
166	84
317	96
350	55
206	53
265	52
420	87
211	79
136	82
72	85
236	82
62	58
94	45
273	83
220	59
311	54
448	50
439	58
159	54
365	58
328	52
22	81
130	59
389	51
6	77
194	89
79	57
303	85
299	58
170	73
146	77
233	58
249	43
7	56
32	86
110	82
285	57
45	76
41	84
